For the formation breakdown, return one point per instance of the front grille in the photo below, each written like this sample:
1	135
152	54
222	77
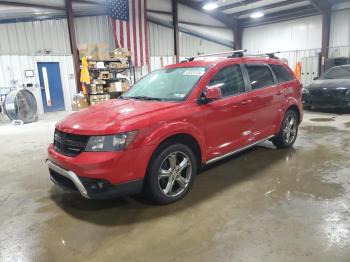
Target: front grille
62	180
334	93
69	144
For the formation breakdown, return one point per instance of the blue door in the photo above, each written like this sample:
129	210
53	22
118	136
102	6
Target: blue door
51	86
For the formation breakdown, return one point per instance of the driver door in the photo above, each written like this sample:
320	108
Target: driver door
228	121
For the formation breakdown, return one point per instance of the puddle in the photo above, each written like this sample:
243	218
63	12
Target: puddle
322	119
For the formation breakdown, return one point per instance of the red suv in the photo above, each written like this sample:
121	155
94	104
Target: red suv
175	120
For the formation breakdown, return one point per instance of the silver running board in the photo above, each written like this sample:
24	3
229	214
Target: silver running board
236	151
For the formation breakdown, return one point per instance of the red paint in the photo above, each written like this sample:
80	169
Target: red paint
219	127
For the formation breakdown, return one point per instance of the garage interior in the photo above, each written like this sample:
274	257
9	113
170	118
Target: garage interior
262	204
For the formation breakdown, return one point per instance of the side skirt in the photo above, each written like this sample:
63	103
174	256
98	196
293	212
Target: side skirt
236	151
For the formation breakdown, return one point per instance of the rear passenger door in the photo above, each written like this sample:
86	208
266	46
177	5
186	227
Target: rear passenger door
265	98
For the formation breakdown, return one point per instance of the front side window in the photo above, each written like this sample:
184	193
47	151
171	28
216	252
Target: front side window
230	80
260	76
282	74
171	84
339	72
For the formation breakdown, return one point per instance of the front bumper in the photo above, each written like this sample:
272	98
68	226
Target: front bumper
91	188
325	102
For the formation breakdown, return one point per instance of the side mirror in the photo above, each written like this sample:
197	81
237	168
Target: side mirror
316	77
211	93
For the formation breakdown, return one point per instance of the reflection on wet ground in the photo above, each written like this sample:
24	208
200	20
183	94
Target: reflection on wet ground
322	119
261	205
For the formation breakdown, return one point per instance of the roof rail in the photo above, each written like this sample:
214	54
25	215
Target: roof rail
269	55
233	53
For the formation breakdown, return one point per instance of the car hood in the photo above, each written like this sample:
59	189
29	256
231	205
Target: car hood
329	83
111	116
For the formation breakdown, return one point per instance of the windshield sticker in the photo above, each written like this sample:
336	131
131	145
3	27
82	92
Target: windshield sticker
193	73
180	95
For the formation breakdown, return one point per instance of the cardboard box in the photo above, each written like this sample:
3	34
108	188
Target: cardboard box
92	52
121	53
97	99
118	65
125	86
103	51
79	102
105	75
92	64
82	48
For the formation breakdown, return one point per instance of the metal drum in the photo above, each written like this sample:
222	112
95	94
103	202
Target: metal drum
21	105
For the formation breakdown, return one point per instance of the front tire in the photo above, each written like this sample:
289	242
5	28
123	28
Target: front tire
171	173
289	130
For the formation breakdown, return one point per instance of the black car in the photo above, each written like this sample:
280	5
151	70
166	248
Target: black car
330	91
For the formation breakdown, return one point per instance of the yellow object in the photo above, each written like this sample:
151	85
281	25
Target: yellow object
84	74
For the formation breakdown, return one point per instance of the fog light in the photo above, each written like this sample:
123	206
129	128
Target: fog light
95	186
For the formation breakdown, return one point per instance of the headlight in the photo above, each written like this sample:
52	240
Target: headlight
305	91
110	143
347	93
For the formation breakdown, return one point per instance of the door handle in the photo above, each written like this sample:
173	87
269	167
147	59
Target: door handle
280	93
246	102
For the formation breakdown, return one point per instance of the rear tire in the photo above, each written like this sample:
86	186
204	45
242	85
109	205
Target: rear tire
289	130
170	174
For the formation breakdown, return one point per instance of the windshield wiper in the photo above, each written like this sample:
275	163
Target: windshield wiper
144	98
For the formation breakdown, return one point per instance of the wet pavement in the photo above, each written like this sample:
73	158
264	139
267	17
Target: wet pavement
261	205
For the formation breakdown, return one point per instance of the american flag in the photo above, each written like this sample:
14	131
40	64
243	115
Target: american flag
129	22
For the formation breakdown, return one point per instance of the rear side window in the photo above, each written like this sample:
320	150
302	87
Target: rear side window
260	76
230	80
282	74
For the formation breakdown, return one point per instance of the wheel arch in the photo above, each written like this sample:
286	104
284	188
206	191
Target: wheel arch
186	139
294	108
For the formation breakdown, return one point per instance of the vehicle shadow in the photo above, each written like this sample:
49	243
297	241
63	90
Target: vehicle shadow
338	111
211	180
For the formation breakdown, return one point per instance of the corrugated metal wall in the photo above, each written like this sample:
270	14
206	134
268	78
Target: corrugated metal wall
94	29
35	38
161	40
192	45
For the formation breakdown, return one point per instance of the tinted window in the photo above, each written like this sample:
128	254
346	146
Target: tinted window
260	76
339	72
230	80
282	74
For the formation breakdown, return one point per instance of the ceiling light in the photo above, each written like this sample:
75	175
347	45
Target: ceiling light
257	15
210	6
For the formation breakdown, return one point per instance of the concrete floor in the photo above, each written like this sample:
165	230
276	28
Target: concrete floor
262	205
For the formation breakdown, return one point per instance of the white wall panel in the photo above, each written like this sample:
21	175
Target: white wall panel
299	34
191	45
35	37
94	29
340	28
161	40
12	69
161	43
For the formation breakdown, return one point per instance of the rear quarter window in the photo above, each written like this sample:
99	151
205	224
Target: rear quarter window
282	74
260	76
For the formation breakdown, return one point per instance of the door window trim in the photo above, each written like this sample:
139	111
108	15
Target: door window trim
246	89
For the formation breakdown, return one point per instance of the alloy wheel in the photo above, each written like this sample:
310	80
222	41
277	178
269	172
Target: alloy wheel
290	129
174	174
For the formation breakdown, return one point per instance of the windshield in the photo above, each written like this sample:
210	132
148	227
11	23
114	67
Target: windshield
172	84
339	72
